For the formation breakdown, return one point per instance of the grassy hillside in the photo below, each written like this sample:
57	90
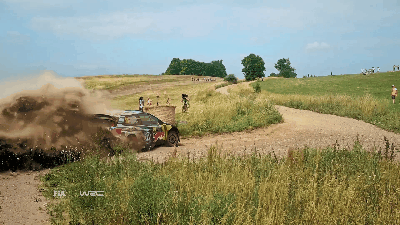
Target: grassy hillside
377	85
361	97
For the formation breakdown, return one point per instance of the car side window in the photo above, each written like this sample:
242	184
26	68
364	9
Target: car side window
131	120
148	120
157	120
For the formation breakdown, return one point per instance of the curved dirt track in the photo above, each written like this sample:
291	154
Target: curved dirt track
300	128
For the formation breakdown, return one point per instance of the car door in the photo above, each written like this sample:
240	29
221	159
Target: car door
152	124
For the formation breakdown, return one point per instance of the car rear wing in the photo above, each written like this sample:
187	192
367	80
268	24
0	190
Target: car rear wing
106	117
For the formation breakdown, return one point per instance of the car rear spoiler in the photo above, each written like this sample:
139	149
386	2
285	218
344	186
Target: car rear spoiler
109	118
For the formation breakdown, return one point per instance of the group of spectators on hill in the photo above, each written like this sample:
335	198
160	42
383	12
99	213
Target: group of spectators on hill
365	71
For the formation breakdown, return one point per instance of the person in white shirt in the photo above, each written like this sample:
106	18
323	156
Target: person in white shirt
394	92
378	69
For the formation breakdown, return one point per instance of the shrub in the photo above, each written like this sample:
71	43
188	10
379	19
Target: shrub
231	78
257	87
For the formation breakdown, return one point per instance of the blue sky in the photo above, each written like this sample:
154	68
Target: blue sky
141	37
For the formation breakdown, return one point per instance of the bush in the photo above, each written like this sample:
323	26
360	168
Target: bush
257	87
231	78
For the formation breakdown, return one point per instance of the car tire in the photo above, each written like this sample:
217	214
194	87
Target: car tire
172	139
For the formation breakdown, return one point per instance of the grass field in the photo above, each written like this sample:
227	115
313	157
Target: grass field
113	82
331	186
361	97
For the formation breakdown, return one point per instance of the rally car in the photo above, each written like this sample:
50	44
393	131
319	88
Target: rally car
137	124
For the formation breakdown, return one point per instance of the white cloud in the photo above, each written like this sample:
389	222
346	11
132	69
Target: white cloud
17	38
181	22
317	46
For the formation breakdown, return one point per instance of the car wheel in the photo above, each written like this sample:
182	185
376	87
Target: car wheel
172	139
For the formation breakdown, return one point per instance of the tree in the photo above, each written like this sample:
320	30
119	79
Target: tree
274	75
284	68
174	67
253	67
219	69
231	78
192	67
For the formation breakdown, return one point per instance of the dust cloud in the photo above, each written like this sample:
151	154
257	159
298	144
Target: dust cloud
49	113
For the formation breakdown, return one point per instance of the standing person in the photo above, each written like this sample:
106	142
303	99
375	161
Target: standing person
379	69
373	69
185	101
394	93
157	99
398	67
141	104
168	101
148	101
394	68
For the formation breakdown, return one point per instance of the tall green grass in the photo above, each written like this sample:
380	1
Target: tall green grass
213	112
330	186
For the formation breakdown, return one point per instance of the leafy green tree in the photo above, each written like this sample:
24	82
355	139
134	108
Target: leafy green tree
219	69
192	67
284	68
231	78
253	67
174	67
274	75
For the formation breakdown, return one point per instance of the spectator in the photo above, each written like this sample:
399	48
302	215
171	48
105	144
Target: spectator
373	69
148	101
379	69
394	67
157	99
168	103
141	104
398	67
394	93
185	100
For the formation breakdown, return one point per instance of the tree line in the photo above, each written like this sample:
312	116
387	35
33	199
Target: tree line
253	68
192	67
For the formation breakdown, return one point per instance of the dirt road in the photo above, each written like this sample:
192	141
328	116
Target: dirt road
20	200
300	128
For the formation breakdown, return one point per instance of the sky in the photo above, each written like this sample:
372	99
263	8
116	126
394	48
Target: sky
84	38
